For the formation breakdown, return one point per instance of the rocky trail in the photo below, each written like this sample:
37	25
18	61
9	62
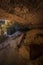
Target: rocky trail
19	47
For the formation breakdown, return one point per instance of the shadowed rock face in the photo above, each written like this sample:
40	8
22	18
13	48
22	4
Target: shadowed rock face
36	51
32	5
27	11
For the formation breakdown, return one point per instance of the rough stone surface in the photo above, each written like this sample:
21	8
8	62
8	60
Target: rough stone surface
25	49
